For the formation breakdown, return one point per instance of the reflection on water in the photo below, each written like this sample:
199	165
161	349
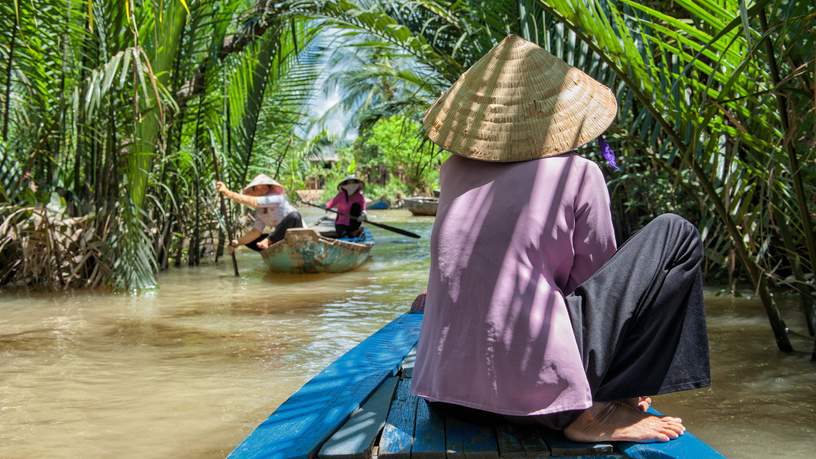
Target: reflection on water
188	370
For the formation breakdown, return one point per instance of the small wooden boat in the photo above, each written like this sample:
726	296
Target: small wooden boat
379	204
422	205
303	250
361	406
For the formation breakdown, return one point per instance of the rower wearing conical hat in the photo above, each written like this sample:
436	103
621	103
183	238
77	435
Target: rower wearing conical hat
531	311
273	211
350	204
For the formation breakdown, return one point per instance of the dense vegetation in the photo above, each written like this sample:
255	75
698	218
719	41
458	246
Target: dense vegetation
117	117
391	156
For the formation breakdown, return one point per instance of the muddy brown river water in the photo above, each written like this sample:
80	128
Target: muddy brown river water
187	370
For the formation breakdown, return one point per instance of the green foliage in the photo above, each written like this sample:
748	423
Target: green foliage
391	157
394	147
123	113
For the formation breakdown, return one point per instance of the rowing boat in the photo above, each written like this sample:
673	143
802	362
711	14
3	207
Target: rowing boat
304	250
379	204
361	406
421	205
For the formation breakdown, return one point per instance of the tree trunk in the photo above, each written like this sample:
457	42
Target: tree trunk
179	249
219	249
7	108
793	159
807	302
195	239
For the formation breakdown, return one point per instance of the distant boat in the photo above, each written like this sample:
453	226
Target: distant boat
361	406
422	205
379	204
304	250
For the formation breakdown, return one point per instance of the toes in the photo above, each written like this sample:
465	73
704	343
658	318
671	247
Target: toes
643	406
670	433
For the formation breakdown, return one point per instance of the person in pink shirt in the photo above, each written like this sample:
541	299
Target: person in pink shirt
350	204
532	312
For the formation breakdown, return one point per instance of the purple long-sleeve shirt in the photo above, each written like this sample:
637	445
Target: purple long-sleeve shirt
509	241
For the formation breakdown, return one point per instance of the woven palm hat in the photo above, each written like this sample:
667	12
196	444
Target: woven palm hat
351	179
517	103
263	179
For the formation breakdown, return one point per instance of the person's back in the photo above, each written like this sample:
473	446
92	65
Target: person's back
531	312
510	239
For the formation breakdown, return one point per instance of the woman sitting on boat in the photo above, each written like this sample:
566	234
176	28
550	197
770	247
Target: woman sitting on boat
351	206
531	311
273	210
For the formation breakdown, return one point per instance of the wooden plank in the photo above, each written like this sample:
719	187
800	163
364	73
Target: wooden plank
561	446
309	417
509	444
521	440
398	433
429	433
454	437
687	445
465	439
407	369
356	437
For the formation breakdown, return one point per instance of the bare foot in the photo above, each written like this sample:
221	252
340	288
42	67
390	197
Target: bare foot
620	421
642	403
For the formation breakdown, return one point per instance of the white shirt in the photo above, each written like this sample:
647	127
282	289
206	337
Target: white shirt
270	210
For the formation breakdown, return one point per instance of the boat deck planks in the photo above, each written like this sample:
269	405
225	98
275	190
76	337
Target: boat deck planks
398	433
520	441
407	367
465	439
356	437
349	404
429	433
561	446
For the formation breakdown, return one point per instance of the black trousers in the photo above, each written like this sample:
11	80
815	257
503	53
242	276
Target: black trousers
353	226
638	320
291	220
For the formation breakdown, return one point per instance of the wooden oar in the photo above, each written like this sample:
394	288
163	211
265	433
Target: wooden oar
225	213
380	225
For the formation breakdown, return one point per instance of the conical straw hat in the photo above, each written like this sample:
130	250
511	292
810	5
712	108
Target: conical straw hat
517	103
263	179
350	179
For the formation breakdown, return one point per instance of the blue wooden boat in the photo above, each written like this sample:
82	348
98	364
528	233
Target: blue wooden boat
304	250
361	406
379	204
